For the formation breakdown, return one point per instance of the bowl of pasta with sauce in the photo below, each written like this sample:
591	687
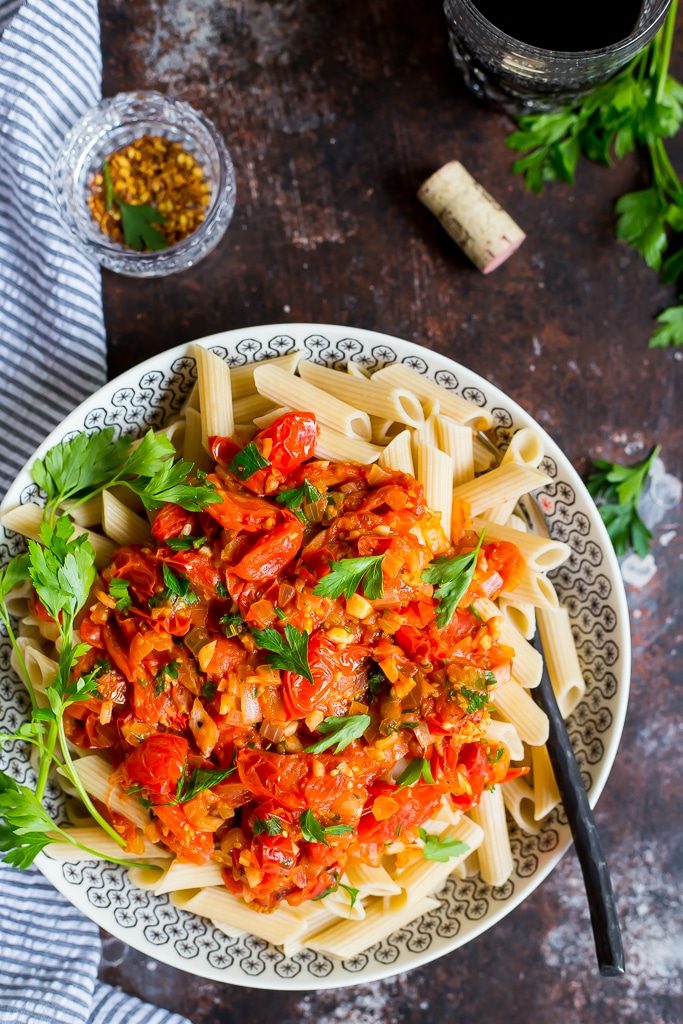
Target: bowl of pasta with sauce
269	670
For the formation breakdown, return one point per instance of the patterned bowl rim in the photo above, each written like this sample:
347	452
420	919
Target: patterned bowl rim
436	361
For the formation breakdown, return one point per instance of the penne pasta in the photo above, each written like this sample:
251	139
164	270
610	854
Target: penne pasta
449	403
121	524
540	553
425	877
505	732
345	939
95	774
398	454
342	448
501	484
518	797
371	880
435	473
248	408
97	839
494	854
284	389
456	440
193	449
535	588
520	614
546	793
393	403
561	658
525	449
179	875
513	701
215	395
87	514
242	377
527	664
221	906
27	520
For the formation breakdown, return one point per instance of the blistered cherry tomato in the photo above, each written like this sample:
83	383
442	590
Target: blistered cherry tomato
272	553
157	763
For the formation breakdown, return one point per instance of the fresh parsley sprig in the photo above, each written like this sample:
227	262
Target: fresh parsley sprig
293	499
190	786
288	650
27	828
314	832
348	575
419	768
87	464
452	578
137	219
436	848
639	107
618	490
340	731
118	589
248	461
271	825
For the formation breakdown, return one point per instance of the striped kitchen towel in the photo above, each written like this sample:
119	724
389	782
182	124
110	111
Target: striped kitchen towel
52	342
52	354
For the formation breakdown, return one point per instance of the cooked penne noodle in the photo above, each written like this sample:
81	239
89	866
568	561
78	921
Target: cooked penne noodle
41	670
215	395
95	774
426	434
246	409
192	400
188	876
354	370
435	473
345	939
505	732
371	880
456	441
342	448
527	664
450	404
494	854
89	513
501	484
425	877
398	454
242	377
220	905
270	417
97	839
561	658
383	430
546	793
391	403
520	614
525	449
175	432
120	524
540	553
518	707
284	389
519	802
17	601
340	905
535	588
193	449
27	520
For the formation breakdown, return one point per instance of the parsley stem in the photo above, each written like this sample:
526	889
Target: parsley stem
667	38
66	835
72	775
46	760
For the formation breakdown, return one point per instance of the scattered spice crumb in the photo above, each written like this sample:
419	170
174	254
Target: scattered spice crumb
155	173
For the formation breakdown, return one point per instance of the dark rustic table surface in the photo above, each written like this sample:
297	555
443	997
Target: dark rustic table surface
334	113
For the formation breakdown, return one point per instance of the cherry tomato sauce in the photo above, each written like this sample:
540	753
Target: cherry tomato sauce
188	686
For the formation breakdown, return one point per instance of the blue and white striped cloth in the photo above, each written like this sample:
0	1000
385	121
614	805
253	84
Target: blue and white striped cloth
52	354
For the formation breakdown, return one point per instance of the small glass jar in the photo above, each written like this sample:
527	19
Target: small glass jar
115	123
523	79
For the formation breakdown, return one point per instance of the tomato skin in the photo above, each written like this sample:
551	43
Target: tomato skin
273	776
91	632
239	512
199	569
228	654
113	644
223	449
189	843
272	553
172	521
504	560
157	763
415	805
292	440
139	569
301	696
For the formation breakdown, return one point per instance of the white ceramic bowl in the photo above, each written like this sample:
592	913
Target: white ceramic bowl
589	585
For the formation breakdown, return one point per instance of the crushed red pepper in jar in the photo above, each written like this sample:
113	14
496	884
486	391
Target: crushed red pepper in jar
150	194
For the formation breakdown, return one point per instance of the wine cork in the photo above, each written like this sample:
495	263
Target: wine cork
481	227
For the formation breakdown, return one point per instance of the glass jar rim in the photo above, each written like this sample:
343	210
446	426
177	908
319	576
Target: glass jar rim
632	41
